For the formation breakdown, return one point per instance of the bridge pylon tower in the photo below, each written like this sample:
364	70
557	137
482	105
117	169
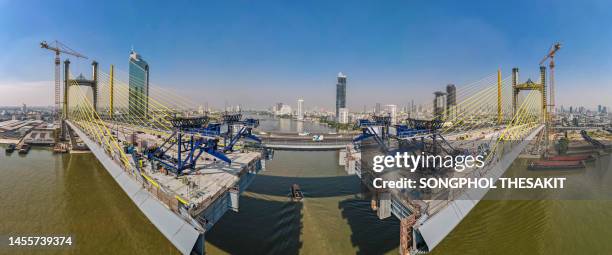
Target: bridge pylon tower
530	85
78	81
499	97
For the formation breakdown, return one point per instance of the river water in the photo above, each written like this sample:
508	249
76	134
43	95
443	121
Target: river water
47	194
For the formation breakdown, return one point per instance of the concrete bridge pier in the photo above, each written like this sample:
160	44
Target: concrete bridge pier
198	248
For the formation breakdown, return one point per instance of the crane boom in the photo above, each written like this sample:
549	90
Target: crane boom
551	53
61	48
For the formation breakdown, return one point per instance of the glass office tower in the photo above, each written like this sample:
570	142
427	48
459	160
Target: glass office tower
340	94
139	86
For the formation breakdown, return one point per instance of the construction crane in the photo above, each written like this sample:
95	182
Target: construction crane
58	48
551	55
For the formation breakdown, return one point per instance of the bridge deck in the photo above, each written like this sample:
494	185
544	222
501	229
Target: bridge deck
306	147
210	180
441	210
441	215
204	190
180	232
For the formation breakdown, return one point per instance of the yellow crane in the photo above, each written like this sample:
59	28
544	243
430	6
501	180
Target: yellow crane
551	55
58	48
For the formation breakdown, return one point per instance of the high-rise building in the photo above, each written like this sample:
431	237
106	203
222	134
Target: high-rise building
340	94
300	109
451	99
377	110
343	115
285	110
277	108
439	104
139	85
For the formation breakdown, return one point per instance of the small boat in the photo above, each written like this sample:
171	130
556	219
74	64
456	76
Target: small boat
555	165
296	193
24	149
60	148
577	157
11	147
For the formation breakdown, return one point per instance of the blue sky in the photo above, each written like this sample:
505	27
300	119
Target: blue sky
260	52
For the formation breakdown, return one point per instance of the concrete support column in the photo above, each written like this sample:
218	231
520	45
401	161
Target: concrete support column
94	88
384	205
544	110
112	81
499	98
199	247
514	89
66	86
543	90
64	113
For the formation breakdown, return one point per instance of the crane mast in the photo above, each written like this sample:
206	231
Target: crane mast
58	48
551	55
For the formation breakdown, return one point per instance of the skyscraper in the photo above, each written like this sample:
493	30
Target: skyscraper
451	99
139	85
300	109
340	94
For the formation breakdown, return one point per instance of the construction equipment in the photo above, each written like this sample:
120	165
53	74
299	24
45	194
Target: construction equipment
551	55
192	137
244	128
58	48
377	128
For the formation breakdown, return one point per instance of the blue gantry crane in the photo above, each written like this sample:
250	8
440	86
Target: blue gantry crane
193	136
376	128
245	130
410	135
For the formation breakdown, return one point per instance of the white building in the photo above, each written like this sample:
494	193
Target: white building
300	109
392	110
284	110
200	110
343	115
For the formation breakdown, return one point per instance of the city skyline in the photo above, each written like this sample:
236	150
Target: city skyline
398	57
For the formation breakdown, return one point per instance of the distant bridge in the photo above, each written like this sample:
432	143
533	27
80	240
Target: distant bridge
306	143
580	127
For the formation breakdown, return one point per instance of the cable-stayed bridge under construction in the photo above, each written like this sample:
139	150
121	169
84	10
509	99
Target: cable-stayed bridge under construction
185	170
